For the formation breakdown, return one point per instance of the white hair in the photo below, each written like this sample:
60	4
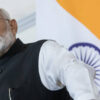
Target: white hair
4	14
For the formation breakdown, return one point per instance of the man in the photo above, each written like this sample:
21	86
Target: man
43	70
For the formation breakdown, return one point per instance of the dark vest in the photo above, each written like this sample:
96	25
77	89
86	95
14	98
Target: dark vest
19	76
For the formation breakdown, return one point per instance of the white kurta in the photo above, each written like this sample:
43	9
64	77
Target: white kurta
59	68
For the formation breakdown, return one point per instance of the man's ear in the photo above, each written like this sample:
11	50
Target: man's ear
13	25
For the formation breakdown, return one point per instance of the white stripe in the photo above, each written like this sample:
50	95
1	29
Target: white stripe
53	22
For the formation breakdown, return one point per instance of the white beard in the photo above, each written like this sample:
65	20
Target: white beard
6	41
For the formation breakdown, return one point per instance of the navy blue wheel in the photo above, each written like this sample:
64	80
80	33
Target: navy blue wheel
90	54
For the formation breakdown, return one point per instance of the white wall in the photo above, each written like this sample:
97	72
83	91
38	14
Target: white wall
28	35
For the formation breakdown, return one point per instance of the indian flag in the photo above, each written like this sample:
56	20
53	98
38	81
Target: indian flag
74	24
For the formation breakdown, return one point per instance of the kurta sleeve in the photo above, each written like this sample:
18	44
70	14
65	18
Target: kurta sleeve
59	68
